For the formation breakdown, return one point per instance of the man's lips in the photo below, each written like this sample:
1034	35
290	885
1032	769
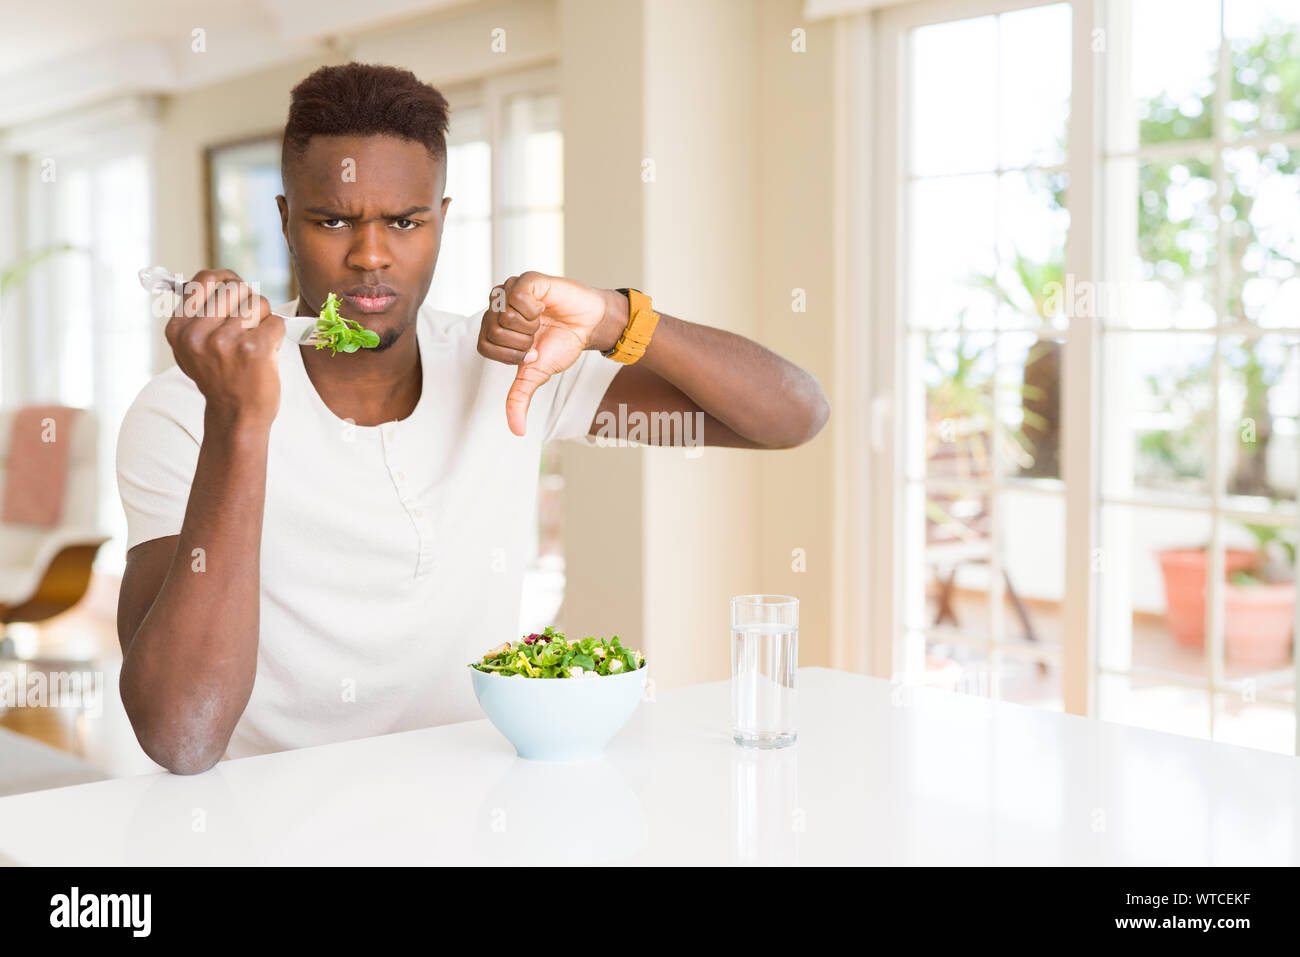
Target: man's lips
376	300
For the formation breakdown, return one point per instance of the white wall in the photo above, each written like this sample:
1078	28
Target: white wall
793	215
701	531
604	244
738	214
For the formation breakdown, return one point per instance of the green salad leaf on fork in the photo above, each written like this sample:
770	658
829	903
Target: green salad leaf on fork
339	334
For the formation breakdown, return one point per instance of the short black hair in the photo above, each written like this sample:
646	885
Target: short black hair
364	99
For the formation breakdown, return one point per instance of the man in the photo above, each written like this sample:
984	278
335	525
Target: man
318	544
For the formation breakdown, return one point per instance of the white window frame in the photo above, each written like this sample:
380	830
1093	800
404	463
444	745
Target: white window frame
490	95
870	179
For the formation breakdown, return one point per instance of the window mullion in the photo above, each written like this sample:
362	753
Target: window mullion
1214	619
492	102
1078	390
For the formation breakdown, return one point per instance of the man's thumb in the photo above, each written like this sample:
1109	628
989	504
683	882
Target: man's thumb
528	379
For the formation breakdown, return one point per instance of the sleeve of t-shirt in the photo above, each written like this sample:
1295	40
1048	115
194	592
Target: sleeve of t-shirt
578	392
157	454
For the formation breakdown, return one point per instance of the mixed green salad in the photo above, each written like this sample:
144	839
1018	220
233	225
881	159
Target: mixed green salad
549	654
339	334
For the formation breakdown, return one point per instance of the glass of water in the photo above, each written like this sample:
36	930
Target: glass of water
764	659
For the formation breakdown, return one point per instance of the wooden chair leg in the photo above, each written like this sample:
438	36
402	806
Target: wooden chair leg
1023	614
944	598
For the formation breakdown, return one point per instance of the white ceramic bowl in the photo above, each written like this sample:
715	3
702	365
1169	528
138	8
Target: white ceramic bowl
559	719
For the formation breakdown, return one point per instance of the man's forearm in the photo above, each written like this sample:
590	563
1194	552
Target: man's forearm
751	389
188	671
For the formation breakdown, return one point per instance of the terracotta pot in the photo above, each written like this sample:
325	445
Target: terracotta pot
1185	574
1257	619
1257	623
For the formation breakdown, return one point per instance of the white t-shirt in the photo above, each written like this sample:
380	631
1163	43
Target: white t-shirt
392	555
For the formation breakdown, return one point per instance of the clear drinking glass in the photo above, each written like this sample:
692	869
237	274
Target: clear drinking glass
764	660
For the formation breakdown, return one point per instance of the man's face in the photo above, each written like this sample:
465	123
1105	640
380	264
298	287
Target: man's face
363	218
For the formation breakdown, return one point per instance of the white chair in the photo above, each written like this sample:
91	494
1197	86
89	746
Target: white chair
46	570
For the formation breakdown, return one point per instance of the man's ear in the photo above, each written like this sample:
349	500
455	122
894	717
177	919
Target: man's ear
283	204
446	201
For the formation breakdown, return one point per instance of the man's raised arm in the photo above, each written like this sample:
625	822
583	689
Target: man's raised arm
188	609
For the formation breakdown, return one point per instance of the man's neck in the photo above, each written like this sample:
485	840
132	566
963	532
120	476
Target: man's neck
368	387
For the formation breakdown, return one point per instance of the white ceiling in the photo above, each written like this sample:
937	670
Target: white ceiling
56	55
43	30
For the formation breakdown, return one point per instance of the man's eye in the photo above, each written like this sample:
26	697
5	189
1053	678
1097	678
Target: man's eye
406	224
332	223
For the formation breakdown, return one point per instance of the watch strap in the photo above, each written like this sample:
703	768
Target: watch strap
642	319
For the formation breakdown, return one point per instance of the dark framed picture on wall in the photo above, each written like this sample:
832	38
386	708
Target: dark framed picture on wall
242	179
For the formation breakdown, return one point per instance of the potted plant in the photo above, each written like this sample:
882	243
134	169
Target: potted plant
1258	602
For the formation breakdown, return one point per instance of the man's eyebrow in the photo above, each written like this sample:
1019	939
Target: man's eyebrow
335	214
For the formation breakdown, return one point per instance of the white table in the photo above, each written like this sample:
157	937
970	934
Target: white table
881	775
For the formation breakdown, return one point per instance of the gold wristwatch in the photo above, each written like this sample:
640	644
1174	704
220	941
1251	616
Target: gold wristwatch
641	324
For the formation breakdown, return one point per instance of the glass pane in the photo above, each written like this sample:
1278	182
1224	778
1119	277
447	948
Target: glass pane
1029	283
1259	602
952	250
1152	569
550	508
953	125
1034	683
1264	43
532	241
532	153
246	232
1259	412
958	546
1262	220
1031	543
1156	398
1159	245
1150	704
469	181
1029	406
530	235
1254	724
1258	610
73	274
463	280
1177	236
954	667
956	556
959	374
1171	48
1034	85
125	328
